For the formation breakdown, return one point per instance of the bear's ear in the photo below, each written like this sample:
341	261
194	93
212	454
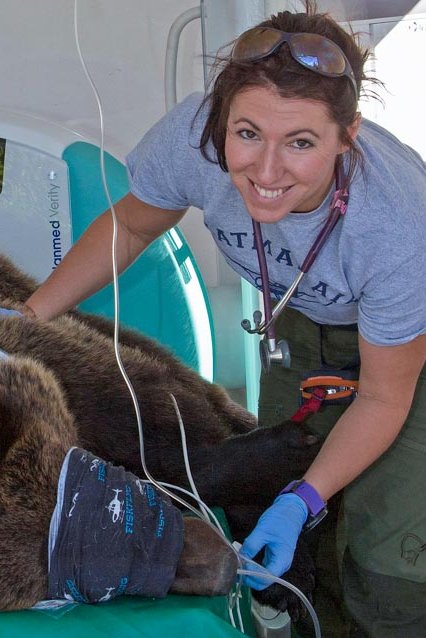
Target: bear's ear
309	438
299	436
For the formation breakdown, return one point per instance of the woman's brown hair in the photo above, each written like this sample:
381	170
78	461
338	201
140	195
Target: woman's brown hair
281	72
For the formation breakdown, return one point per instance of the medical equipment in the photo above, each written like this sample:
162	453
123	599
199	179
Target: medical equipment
340	386
270	623
270	351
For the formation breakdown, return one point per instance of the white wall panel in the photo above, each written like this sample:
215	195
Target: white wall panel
123	44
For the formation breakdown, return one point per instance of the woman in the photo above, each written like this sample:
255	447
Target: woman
268	140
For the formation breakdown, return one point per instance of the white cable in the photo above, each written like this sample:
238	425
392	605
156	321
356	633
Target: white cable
234	602
115	274
116	288
204	510
240	618
216	522
262	573
211	514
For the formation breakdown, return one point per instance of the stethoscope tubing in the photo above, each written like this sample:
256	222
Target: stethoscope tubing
338	208
267	304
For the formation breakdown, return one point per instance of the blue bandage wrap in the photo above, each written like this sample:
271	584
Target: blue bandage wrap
110	534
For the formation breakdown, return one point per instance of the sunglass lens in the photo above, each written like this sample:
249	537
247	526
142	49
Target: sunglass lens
256	43
318	53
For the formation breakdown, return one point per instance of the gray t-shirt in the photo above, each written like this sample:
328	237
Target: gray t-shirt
372	269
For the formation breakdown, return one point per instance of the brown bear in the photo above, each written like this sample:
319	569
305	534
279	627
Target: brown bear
37	430
235	465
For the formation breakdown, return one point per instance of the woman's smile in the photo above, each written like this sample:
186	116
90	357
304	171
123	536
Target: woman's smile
270	193
280	158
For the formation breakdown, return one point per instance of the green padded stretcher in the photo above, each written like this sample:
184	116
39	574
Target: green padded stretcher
131	617
135	617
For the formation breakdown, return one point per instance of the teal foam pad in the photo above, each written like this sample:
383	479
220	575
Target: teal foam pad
154	291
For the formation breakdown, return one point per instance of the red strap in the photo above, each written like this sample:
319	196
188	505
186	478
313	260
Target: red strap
311	406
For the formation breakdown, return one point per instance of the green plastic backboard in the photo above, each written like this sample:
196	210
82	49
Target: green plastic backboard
162	293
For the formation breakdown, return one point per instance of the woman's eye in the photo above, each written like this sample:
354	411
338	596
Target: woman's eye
247	134
301	144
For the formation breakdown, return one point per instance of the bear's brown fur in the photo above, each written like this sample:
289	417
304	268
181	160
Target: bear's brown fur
235	464
36	432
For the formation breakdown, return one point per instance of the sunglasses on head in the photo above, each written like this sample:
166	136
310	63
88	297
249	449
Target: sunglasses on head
313	51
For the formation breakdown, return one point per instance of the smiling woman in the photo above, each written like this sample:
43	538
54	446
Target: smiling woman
281	159
264	144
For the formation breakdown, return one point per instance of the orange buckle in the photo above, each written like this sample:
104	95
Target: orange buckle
336	388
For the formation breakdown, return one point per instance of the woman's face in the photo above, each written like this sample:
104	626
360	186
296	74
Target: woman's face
280	152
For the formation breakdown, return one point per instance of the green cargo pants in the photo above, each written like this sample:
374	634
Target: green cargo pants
384	514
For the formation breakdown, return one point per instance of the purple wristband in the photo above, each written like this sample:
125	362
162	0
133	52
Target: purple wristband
308	494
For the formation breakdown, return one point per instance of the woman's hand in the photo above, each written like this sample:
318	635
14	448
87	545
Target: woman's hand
277	530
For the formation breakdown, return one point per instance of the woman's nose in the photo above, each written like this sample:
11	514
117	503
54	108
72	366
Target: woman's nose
270	166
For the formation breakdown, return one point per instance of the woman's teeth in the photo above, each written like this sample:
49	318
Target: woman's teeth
269	194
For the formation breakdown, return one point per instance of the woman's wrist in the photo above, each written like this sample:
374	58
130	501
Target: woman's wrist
307	494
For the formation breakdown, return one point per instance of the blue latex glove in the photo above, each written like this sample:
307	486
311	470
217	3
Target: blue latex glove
277	530
8	311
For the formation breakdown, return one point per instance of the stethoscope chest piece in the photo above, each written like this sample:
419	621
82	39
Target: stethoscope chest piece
271	352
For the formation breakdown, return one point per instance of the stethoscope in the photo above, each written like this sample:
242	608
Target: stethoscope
269	350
